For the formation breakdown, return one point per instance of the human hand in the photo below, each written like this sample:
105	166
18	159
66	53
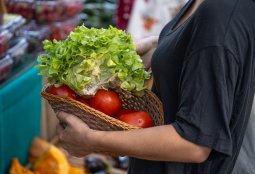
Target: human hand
145	48
74	135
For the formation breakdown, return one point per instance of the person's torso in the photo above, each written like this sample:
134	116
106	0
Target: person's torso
227	23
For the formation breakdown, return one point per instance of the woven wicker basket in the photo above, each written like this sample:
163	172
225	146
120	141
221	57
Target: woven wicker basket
100	121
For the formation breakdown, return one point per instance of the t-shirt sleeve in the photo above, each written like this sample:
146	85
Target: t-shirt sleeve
206	96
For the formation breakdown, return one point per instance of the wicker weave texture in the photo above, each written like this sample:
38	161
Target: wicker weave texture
100	121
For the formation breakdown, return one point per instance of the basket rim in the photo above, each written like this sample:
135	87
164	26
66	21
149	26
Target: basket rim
101	115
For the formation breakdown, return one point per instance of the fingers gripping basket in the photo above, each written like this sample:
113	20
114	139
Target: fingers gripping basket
100	121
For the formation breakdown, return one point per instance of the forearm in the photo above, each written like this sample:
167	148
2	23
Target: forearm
158	143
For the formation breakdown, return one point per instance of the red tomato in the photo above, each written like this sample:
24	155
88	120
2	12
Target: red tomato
62	90
140	119
83	100
123	112
107	102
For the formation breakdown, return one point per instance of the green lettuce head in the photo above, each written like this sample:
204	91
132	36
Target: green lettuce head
90	59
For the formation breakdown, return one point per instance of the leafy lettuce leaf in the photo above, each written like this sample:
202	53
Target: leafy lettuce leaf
90	59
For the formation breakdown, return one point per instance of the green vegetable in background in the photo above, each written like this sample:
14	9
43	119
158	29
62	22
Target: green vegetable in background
90	59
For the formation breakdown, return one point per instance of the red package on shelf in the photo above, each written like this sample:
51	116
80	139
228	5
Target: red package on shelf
73	7
5	36
45	11
23	7
6	65
9	6
18	50
49	11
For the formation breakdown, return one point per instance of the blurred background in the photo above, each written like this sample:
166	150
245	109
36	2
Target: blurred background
27	123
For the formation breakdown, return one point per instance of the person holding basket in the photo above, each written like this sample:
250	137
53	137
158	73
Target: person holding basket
203	69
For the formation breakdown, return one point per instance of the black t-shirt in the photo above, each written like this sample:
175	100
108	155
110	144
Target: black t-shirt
204	75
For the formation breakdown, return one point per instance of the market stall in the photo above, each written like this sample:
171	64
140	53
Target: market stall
20	114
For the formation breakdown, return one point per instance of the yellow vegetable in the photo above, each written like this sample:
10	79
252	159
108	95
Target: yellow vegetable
52	162
17	168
